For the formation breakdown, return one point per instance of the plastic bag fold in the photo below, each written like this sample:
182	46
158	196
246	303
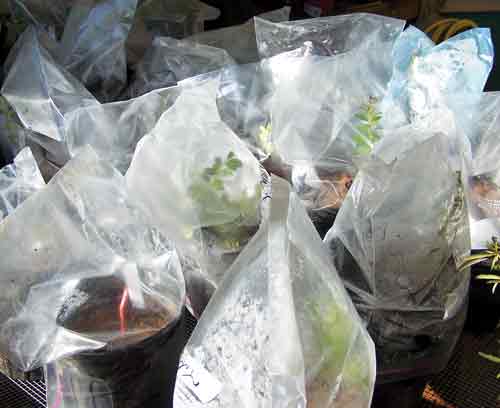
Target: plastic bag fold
280	331
87	255
169	61
397	241
18	181
114	129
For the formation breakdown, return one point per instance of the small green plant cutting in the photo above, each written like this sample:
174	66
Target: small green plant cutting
231	219
366	131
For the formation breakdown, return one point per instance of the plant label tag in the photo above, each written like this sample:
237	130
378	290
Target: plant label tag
194	385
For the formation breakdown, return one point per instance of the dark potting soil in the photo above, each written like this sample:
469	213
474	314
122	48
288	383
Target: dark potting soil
93	310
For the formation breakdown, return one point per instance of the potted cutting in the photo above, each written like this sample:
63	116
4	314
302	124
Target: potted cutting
397	242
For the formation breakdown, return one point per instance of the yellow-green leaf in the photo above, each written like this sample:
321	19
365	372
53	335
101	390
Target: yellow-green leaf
490	357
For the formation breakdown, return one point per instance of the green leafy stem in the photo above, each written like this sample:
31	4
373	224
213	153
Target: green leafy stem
208	192
366	131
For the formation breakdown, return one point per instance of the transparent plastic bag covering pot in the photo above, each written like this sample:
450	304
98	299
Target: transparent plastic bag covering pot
93	45
239	41
18	181
327	36
40	91
280	331
484	181
169	61
397	242
114	129
91	271
209	195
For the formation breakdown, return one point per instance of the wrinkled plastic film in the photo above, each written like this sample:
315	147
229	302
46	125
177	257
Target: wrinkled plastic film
169	61
281	330
18	181
113	130
327	36
66	289
398	241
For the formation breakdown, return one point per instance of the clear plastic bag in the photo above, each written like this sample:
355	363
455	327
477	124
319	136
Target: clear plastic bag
92	273
281	330
169	61
328	36
114	129
18	181
397	243
40	91
239	41
93	45
209	195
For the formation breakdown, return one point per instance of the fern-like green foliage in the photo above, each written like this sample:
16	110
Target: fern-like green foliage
334	329
366	134
225	216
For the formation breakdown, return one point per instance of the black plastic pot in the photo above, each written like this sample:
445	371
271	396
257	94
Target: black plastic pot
484	305
134	370
134	376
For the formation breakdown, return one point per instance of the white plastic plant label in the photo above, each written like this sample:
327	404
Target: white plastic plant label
195	386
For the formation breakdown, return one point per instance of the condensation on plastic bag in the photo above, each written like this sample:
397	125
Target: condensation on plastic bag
281	331
86	250
483	184
397	241
239	41
93	45
209	195
40	91
114	129
18	181
327	36
169	61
